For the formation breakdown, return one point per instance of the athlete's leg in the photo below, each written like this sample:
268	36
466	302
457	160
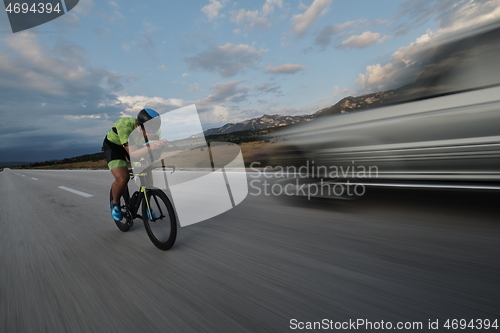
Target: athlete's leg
120	184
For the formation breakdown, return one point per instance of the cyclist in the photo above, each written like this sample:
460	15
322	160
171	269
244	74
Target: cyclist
117	151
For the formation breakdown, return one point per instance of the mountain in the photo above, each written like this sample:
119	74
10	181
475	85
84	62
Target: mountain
345	105
12	164
350	104
266	121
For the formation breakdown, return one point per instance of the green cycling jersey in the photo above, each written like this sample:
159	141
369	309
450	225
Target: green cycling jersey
124	127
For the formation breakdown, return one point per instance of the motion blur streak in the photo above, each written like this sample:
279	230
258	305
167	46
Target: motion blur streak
392	255
440	125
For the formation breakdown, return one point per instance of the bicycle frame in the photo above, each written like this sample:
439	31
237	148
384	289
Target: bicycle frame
133	203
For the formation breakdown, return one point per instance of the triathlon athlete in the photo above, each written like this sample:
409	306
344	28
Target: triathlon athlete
117	151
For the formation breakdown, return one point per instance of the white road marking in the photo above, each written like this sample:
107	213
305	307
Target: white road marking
83	194
34	178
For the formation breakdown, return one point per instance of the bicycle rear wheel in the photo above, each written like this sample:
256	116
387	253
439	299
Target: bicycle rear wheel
127	222
159	219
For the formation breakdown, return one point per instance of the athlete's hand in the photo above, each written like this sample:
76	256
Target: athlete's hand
154	144
158	144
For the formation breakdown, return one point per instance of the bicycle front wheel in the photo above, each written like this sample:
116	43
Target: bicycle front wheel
159	219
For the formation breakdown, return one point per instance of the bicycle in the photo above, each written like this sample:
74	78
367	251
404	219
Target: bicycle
162	229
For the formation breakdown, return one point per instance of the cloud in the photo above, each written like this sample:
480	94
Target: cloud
362	41
66	22
49	146
211	108
213	8
450	16
255	19
47	87
324	37
469	13
338	92
146	33
226	60
84	7
268	7
185	74
285	37
214	111
127	46
225	92
401	31
397	72
250	19
194	87
37	73
114	15
378	22
147	43
376	76
267	88
302	22
132	104
285	69
217	116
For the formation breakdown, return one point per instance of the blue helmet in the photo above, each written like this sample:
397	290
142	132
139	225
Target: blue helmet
149	120
146	114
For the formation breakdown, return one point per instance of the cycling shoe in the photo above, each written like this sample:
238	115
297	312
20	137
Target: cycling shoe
116	213
152	213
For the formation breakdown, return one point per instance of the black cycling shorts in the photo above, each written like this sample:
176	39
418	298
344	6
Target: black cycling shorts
115	155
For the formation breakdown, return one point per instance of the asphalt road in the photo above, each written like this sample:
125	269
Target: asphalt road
393	255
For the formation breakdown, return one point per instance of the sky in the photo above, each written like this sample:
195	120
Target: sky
64	83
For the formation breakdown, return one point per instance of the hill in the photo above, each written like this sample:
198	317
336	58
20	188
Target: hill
351	104
12	164
91	160
345	105
255	124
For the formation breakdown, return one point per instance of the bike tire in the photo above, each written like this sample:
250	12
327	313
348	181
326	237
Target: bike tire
127	222
162	228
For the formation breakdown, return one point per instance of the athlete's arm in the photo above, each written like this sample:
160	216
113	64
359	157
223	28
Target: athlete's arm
138	153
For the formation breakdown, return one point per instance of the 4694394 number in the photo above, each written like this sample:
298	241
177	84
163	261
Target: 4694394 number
40	8
478	324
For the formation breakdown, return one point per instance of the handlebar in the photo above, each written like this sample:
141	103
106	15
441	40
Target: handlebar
150	168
